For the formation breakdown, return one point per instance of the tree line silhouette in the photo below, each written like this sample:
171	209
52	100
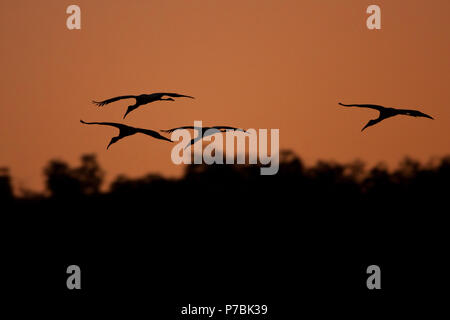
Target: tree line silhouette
410	182
230	224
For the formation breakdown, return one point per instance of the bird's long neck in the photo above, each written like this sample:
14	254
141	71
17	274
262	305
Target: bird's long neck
113	140
191	143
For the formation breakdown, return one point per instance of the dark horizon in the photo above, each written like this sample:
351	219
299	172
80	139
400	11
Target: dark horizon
88	178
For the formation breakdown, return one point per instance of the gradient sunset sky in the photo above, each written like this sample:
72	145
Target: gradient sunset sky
249	63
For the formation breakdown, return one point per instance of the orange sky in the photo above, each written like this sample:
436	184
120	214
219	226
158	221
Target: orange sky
250	63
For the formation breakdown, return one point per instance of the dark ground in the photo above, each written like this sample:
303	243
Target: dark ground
299	241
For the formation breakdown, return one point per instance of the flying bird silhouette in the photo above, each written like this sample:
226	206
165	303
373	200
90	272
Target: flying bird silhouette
143	99
125	131
204	132
387	113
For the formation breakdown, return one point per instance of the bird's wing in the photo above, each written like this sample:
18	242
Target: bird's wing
179	128
371	106
153	134
415	113
112	124
176	95
102	103
227	128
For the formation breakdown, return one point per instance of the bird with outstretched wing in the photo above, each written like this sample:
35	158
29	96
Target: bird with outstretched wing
125	131
387	112
143	99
